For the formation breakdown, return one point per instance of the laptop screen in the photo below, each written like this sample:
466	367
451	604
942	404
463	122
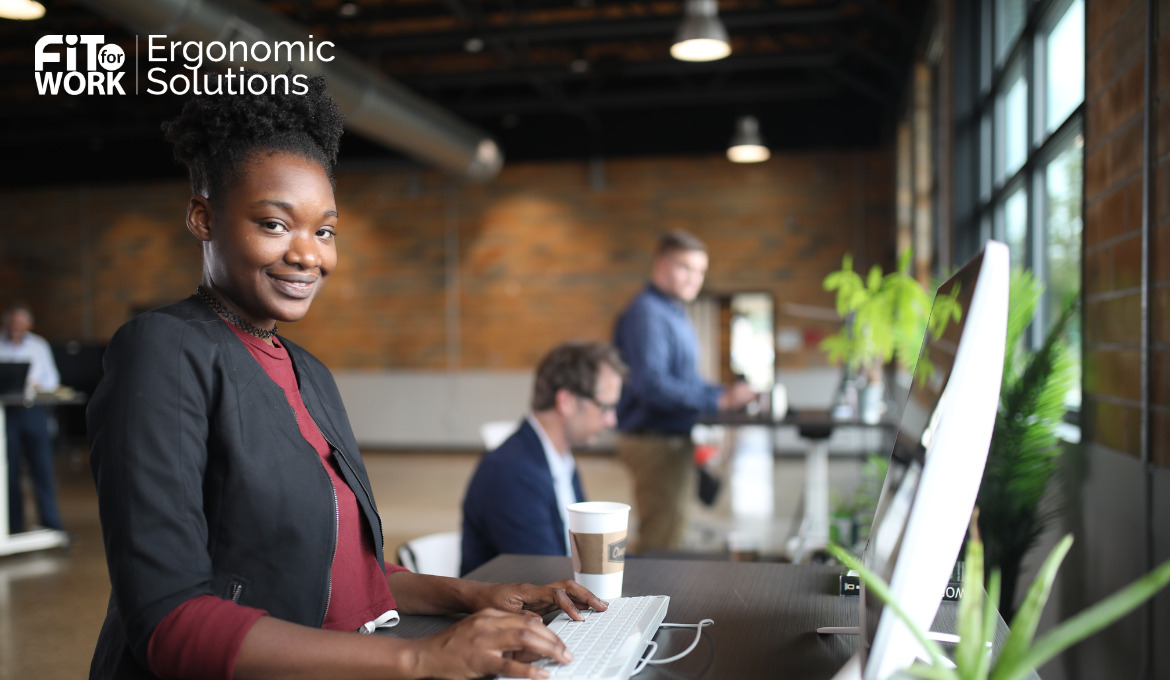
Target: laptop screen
13	377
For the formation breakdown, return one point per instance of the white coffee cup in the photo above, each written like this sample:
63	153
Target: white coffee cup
779	401
597	537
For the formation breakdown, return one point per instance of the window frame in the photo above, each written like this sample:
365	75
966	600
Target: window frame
988	73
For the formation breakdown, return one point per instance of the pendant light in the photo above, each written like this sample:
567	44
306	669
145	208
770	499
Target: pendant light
701	37
24	10
747	146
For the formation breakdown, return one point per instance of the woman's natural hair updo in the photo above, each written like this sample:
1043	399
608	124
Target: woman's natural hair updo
215	134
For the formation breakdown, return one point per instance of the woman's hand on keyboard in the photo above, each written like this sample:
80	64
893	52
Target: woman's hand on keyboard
485	644
567	595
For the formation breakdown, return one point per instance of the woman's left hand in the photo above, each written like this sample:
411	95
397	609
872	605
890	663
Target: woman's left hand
567	595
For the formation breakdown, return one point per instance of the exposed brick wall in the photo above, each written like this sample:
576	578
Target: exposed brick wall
1160	238
1119	513
434	274
1115	96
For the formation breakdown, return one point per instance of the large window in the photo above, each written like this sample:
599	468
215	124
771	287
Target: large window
1021	124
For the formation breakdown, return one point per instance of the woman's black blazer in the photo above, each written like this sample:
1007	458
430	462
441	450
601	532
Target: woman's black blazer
205	483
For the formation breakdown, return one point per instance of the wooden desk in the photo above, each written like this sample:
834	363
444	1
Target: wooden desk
765	614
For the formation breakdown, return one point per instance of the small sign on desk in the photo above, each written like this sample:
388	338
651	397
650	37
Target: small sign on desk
849	584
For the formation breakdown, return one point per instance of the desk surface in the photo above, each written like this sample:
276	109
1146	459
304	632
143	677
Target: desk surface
803	418
42	399
766	614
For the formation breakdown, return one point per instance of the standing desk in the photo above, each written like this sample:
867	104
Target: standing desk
40	539
765	614
815	427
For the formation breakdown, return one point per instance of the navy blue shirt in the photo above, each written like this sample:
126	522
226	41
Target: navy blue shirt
663	392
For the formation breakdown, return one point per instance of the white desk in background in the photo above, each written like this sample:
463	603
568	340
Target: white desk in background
40	539
815	428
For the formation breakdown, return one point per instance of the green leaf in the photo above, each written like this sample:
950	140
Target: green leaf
904	261
990	618
882	591
1086	623
946	309
887	314
1023	627
1024	293
927	672
970	646
1025	450
977	615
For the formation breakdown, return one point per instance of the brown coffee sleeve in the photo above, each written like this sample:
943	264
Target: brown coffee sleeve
598	553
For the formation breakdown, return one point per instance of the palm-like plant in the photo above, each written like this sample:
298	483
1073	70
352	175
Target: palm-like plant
1024	454
1022	653
888	316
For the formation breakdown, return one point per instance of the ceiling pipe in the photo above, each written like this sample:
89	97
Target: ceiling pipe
374	105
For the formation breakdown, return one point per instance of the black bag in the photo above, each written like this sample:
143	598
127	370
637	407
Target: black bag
709	484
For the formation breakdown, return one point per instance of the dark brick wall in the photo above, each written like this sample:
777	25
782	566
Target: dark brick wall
1117	491
434	274
1115	94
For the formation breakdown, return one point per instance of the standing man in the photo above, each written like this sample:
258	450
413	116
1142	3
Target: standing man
664	393
28	426
518	498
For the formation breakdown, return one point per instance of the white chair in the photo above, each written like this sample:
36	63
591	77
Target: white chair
438	554
495	432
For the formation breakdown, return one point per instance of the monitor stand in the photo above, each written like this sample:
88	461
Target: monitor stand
852	668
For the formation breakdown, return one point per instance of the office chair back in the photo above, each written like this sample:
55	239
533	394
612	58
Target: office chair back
437	554
495	432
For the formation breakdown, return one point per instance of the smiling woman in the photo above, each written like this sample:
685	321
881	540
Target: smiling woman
236	510
269	245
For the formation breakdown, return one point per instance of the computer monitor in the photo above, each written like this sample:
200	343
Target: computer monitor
936	464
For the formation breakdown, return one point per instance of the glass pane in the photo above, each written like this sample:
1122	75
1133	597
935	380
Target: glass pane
984	158
1009	21
1065	58
1062	234
752	345
1012	117
984	47
1015	227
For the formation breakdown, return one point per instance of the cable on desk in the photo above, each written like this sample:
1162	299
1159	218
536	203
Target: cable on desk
648	659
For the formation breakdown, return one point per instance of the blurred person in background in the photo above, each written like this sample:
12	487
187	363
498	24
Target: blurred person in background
517	500
28	424
664	393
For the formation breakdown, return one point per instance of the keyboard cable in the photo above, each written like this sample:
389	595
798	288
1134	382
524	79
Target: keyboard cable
648	658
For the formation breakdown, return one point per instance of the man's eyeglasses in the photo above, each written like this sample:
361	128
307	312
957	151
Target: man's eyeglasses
605	407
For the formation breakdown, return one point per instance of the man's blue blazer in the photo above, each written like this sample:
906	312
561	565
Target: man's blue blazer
511	505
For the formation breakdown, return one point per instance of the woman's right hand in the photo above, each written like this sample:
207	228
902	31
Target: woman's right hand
486	643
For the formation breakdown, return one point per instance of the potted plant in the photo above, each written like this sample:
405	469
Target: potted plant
1021	654
886	317
1024	454
853	516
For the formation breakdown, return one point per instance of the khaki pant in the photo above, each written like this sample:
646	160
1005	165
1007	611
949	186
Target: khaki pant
663	471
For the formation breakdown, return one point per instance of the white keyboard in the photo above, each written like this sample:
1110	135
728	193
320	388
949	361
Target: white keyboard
607	645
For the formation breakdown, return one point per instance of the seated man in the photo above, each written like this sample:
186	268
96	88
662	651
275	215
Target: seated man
517	499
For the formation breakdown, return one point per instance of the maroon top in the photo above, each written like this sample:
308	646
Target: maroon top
201	638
